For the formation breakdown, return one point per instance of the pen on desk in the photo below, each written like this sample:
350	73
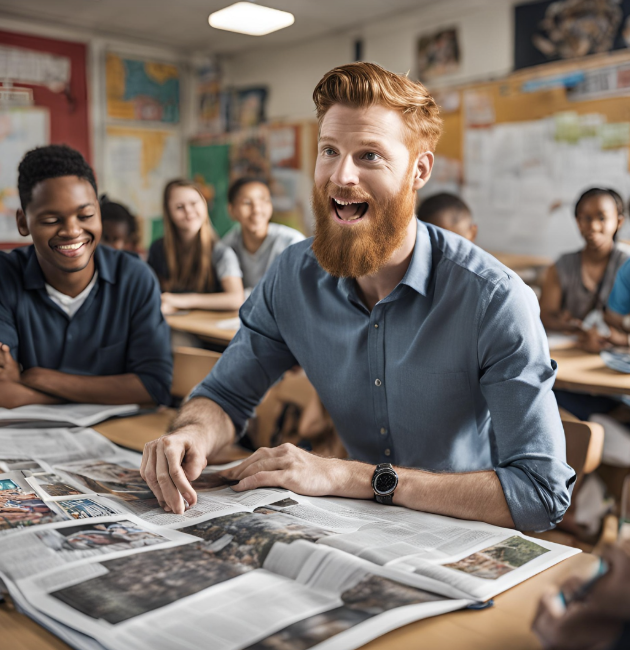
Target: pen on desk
583	591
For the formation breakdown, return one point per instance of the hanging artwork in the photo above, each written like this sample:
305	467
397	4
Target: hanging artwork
438	54
566	29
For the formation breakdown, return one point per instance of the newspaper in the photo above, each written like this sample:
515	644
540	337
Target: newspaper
78	415
86	551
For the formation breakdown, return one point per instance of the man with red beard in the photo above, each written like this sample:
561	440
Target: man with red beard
427	352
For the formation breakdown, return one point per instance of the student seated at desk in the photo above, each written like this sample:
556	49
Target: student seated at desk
79	322
576	287
255	241
448	211
120	228
598	619
195	270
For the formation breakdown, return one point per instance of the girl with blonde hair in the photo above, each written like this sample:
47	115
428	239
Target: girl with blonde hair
195	270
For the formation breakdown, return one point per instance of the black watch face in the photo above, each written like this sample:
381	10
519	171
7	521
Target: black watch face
385	482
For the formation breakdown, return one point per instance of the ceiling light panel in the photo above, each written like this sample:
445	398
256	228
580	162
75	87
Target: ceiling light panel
249	18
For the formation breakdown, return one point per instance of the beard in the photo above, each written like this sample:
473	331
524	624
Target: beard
364	248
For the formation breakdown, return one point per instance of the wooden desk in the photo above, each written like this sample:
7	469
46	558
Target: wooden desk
587	373
518	262
506	625
204	324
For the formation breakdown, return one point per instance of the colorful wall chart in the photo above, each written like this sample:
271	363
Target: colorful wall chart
20	131
138	164
142	90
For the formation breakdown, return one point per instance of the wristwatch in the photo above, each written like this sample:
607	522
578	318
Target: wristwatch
384	482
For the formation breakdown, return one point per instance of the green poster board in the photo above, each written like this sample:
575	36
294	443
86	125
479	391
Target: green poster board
210	167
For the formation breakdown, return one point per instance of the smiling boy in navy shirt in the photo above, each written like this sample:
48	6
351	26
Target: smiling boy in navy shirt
79	322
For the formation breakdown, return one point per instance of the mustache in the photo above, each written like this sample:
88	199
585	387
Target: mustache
347	193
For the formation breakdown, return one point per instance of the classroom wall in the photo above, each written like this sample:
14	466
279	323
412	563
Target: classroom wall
97	46
291	73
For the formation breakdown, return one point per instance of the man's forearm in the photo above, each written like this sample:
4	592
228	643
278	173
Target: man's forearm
477	496
13	395
111	389
203	414
473	495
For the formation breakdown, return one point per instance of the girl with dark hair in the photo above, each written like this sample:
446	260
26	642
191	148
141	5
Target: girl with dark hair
196	271
576	287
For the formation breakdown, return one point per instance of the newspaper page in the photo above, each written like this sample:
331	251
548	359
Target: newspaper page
56	445
471	557
78	415
253	580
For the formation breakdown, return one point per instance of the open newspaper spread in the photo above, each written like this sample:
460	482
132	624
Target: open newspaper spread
86	551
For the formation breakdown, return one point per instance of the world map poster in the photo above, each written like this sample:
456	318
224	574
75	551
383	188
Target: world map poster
141	90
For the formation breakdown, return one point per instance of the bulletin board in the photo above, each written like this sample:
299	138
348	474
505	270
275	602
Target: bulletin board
521	149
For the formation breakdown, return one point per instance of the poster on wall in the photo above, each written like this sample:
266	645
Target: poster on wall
141	90
138	164
247	108
211	101
437	54
209	168
20	131
566	29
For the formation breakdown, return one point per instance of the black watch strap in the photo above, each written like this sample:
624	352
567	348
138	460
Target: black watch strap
385	499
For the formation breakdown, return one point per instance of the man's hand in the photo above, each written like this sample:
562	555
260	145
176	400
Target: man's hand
9	368
290	467
594	622
171	463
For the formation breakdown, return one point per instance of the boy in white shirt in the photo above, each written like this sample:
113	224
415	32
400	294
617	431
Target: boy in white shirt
255	241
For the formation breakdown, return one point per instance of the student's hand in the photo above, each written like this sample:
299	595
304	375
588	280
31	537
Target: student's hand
9	368
290	467
618	338
168	303
592	341
595	622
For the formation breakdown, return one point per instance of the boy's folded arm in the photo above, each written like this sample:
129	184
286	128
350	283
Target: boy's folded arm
104	389
14	394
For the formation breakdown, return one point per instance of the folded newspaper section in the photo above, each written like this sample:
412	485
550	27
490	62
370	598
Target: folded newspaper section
86	550
78	415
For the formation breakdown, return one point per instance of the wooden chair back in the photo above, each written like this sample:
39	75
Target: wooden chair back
585	442
190	366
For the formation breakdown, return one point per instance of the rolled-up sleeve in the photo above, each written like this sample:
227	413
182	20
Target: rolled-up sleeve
527	438
254	360
149	348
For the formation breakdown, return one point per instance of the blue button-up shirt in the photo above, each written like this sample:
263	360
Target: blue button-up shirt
118	329
449	373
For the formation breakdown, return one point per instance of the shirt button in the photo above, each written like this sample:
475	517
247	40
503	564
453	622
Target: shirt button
383	430
387	452
376	325
377	382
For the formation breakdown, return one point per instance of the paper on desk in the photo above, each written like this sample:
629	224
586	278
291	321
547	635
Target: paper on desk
229	323
559	341
80	415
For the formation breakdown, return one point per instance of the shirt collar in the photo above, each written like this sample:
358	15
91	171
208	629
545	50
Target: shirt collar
34	277
418	274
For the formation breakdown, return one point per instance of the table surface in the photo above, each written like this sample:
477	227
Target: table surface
204	324
506	625
587	373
